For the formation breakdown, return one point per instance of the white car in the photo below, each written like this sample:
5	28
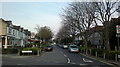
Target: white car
65	46
73	48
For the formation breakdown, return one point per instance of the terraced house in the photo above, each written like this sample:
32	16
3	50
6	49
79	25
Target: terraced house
12	35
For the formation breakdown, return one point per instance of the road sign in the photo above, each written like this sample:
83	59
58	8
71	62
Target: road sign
27	51
118	29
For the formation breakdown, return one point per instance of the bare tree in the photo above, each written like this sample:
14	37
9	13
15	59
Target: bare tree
104	11
79	18
63	33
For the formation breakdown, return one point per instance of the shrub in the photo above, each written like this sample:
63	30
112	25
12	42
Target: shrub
83	48
111	54
100	52
9	50
29	45
93	51
35	50
43	45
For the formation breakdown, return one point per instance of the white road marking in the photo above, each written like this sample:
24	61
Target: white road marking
19	64
73	63
96	59
86	60
68	60
61	52
83	64
65	55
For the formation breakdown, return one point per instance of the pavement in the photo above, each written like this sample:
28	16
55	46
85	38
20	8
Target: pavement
109	62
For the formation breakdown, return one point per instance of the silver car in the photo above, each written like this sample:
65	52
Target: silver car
73	48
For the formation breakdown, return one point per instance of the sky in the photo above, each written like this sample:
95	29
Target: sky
31	14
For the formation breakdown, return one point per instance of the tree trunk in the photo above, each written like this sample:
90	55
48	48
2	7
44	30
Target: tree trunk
106	36
85	39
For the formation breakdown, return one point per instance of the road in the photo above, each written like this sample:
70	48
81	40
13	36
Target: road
57	57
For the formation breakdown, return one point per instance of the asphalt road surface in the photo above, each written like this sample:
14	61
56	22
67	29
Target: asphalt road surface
58	57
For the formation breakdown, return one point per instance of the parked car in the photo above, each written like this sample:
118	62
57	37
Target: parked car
65	46
60	45
49	48
73	48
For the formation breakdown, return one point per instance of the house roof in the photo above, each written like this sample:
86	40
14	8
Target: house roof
16	27
96	29
9	24
27	32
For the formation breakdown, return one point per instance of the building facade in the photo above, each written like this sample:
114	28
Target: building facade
96	35
12	35
3	31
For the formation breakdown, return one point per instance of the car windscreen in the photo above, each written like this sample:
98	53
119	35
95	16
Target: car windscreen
73	46
49	46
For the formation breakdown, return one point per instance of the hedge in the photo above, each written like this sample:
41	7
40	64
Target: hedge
109	54
9	50
29	48
35	50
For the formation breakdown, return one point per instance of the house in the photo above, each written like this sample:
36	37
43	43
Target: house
33	35
112	33
3	31
12	35
17	35
96	35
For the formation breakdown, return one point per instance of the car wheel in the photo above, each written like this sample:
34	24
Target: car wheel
69	51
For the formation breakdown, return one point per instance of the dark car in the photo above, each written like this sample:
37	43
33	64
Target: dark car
49	48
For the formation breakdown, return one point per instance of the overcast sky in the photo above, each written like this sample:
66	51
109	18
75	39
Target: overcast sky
30	14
